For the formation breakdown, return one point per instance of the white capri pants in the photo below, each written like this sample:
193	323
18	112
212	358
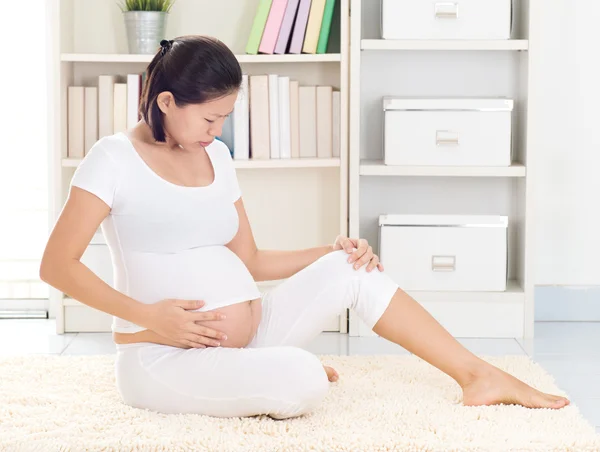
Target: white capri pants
272	376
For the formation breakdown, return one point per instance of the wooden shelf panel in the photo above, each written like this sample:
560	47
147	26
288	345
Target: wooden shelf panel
514	294
257	164
132	58
391	44
377	168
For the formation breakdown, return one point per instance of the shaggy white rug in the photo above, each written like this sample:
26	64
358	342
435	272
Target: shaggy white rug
380	403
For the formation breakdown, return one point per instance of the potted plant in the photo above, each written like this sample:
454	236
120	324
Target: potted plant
145	22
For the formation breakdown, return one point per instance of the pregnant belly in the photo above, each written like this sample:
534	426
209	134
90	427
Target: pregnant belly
240	326
213	274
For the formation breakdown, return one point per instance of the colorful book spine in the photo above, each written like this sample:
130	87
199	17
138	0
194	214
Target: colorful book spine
313	28
300	27
326	26
273	26
258	26
287	25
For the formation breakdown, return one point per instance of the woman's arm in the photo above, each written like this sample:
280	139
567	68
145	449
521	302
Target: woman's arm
269	265
61	266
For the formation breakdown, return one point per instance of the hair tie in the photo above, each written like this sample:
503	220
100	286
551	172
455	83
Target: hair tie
165	46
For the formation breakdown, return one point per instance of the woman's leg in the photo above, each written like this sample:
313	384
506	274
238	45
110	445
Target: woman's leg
281	382
408	324
296	311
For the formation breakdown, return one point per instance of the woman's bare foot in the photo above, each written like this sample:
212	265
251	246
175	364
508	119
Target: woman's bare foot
494	387
332	375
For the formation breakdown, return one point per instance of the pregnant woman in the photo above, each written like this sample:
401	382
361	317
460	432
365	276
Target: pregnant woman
193	332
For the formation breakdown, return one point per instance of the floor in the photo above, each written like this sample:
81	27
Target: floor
570	351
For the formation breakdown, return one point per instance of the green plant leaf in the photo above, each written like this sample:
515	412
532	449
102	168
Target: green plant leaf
147	5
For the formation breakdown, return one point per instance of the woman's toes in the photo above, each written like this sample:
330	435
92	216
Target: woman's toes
542	400
332	375
560	401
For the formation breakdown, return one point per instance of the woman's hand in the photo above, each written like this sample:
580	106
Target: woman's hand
171	319
362	255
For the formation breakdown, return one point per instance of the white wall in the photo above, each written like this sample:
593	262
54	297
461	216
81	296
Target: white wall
565	130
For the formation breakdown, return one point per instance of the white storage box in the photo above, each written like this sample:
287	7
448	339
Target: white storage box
459	19
445	252
447	132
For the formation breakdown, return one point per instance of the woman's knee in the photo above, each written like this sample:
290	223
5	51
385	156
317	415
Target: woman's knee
371	291
337	263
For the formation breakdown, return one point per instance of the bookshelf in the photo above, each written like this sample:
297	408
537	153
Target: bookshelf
127	58
291	203
444	68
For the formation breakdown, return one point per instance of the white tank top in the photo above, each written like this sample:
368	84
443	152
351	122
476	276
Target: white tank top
167	240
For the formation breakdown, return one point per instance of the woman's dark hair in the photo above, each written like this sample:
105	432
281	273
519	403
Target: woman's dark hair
195	69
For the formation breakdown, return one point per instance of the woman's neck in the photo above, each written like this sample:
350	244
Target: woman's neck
143	132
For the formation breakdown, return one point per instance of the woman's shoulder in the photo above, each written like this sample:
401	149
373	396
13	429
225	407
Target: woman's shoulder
114	147
221	148
220	151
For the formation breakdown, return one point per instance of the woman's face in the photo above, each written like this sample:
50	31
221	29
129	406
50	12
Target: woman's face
195	123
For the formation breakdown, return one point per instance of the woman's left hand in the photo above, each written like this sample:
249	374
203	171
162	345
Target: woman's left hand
361	256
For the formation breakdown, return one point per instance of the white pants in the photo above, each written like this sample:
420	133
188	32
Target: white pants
272	376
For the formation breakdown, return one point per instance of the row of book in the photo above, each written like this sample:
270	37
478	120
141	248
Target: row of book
94	112
274	117
292	26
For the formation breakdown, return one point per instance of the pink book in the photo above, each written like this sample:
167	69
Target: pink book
300	27
269	37
286	26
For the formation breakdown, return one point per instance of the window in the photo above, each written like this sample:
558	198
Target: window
24	154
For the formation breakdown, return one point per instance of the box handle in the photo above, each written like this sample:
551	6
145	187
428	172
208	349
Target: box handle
446	10
443	263
446	138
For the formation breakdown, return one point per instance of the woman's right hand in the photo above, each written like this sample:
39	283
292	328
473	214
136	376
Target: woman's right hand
171	319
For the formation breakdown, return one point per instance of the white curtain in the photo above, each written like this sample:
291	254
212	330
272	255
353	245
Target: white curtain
24	152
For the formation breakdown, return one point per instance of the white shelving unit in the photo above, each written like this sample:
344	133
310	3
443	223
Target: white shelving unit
438	68
394	44
378	168
292	204
128	58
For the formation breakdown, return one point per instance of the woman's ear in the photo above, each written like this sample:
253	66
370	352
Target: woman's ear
165	101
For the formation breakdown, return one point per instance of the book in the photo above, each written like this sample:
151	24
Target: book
324	122
273	26
283	40
120	107
285	151
335	32
300	27
307	107
260	138
258	26
241	123
106	110
274	114
325	26
134	89
91	117
75	121
313	27
294	119
336	123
